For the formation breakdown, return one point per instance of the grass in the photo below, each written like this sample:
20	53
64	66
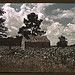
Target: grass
38	60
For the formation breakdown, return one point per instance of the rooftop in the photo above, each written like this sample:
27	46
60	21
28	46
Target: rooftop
37	39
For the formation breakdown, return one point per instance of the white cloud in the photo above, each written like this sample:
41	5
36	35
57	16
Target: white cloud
63	13
69	30
14	20
58	10
56	29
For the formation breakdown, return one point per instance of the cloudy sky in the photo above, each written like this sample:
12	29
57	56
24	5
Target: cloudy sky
58	18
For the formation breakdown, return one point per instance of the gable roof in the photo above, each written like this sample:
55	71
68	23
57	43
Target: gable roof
36	39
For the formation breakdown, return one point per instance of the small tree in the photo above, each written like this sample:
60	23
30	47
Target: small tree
3	29
62	42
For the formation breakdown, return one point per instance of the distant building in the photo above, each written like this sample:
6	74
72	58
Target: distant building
35	42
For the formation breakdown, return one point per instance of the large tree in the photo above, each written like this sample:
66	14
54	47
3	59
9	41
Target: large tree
32	26
3	29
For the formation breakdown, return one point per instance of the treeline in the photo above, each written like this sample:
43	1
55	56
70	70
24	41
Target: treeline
10	41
